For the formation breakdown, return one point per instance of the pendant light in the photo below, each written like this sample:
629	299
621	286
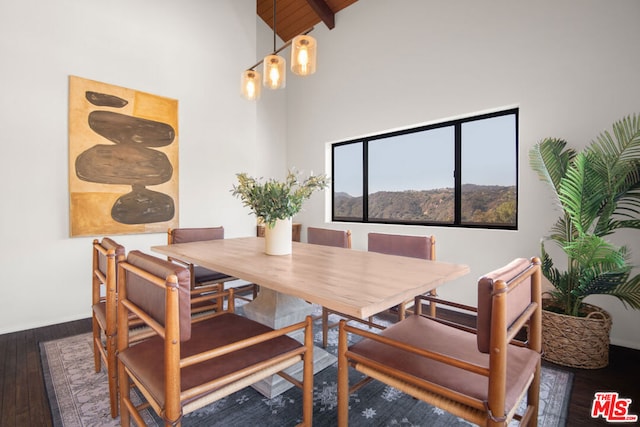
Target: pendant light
274	76
303	55
250	85
274	65
303	63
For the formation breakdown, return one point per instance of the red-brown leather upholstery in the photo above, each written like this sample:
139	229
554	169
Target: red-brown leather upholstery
199	234
109	244
397	244
519	298
422	247
186	235
100	308
106	255
151	298
147	361
100	312
425	333
201	276
327	237
480	375
180	368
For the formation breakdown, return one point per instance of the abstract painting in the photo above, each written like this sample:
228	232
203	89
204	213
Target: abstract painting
123	160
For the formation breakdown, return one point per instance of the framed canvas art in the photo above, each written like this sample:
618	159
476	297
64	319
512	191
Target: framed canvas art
123	160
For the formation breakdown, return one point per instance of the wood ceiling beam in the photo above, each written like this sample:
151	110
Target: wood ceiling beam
322	9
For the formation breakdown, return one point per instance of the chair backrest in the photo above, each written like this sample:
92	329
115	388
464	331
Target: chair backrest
423	247
146	280
328	237
520	280
103	251
185	235
106	255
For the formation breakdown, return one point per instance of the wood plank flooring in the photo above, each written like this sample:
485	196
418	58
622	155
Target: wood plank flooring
23	399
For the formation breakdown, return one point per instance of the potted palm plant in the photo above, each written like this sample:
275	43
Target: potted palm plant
275	202
598	191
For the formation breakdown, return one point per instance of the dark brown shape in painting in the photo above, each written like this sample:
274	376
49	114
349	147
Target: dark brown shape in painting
105	100
143	206
123	164
129	161
123	129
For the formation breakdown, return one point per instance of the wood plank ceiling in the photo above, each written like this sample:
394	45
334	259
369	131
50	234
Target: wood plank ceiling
296	16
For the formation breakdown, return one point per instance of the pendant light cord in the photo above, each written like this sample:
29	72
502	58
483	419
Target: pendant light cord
283	47
274	27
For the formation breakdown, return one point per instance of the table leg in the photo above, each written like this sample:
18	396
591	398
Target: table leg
277	310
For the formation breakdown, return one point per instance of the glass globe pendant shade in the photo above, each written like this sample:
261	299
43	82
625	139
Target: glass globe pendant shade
250	85
274	74
303	55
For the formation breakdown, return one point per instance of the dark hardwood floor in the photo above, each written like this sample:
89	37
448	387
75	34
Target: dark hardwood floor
622	375
23	400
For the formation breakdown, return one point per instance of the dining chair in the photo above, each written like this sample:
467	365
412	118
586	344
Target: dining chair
205	280
328	237
106	255
190	364
423	247
479	374
104	294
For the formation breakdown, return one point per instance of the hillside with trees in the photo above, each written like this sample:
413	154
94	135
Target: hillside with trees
480	204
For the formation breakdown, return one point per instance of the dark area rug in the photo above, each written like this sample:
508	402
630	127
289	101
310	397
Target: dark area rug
79	397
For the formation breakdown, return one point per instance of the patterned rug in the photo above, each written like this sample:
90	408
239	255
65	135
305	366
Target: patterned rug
79	397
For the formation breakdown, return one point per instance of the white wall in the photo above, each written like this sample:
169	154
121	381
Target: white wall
570	65
193	51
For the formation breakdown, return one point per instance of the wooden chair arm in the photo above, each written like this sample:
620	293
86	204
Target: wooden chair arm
437	300
238	345
512	331
443	358
142	319
179	261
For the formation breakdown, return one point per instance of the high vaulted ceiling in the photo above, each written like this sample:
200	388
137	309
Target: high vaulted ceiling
296	16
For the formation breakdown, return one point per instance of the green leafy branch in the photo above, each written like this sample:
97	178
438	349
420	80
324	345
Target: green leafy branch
271	199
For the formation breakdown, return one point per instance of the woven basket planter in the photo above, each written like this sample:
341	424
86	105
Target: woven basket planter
577	342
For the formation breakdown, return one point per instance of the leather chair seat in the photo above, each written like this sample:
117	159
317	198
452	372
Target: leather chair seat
434	336
100	313
147	360
203	275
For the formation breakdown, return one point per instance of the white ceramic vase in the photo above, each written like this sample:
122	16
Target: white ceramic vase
277	240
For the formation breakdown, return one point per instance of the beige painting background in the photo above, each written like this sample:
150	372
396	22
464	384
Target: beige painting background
91	203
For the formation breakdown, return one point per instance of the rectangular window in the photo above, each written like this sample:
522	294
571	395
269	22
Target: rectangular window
458	173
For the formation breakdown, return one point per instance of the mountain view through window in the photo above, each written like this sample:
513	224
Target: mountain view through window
462	172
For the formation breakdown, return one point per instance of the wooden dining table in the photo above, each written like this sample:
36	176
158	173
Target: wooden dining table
356	283
353	282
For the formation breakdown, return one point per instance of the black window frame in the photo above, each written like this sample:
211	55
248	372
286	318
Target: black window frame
457	125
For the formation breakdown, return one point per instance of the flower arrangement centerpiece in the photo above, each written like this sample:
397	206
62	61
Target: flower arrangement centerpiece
275	202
